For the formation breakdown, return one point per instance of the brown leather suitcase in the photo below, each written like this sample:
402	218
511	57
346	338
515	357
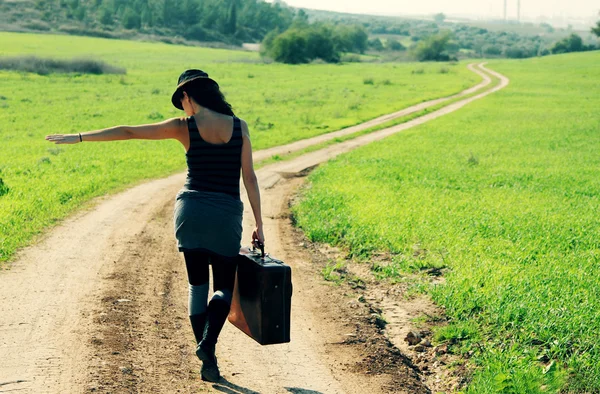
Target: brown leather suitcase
262	298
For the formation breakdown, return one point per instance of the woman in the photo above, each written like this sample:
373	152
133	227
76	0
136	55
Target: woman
208	210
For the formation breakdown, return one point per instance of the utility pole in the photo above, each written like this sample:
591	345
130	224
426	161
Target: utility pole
505	10
519	10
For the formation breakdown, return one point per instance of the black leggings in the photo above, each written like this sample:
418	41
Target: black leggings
197	270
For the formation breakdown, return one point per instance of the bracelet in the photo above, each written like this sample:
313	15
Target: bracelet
80	139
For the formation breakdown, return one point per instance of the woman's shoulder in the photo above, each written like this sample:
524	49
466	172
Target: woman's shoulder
243	125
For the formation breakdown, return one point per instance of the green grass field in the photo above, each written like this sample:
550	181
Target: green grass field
505	195
391	123
42	183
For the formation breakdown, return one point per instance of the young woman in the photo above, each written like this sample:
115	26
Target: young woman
208	210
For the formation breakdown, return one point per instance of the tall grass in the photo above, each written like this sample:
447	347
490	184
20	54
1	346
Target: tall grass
45	66
505	194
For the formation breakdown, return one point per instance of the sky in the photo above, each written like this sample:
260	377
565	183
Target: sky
484	8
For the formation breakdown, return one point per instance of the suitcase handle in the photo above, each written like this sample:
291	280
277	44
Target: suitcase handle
261	246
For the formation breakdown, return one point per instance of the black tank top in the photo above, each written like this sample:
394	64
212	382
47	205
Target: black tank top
214	167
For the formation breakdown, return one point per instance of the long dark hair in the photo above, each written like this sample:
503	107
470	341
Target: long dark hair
207	94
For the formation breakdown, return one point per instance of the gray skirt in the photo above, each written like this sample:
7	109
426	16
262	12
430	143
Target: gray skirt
208	221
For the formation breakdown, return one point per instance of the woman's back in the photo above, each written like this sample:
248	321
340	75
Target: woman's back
216	129
214	156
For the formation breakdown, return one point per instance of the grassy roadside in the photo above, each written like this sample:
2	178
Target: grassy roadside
503	194
42	183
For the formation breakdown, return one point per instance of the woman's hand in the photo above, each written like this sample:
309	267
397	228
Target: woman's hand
63	138
258	235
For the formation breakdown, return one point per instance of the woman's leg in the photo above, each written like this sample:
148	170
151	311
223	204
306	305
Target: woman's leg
218	309
220	303
197	271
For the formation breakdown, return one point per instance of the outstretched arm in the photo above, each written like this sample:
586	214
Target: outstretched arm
251	184
155	131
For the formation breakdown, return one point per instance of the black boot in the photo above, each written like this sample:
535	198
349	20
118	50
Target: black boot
218	310
198	326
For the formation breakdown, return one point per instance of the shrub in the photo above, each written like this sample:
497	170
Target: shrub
394	45
350	38
573	43
42	66
368	81
81	31
289	47
433	48
493	50
518	52
350	58
37	25
376	44
155	116
301	45
200	33
4	189
319	45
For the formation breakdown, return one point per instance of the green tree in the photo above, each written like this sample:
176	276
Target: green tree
301	45
433	48
106	17
79	13
394	45
376	44
439	18
131	19
596	30
289	47
171	13
351	38
319	44
301	18
147	17
267	43
493	50
572	43
231	24
191	12
548	27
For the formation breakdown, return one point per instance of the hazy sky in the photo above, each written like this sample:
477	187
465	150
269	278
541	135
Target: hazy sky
487	8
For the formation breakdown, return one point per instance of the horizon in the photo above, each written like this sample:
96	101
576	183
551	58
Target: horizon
487	9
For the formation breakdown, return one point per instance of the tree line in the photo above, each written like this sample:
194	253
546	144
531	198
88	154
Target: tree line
230	21
425	36
287	35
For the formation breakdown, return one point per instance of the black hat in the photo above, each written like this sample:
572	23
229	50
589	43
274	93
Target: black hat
185	77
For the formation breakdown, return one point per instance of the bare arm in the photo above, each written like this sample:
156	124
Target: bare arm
251	183
156	131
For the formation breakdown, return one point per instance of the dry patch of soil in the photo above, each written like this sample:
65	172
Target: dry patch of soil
393	324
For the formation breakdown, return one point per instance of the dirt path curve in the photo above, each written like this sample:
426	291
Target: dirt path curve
99	305
298	145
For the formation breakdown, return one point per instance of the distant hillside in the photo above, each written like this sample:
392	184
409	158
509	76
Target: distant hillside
233	22
225	21
469	38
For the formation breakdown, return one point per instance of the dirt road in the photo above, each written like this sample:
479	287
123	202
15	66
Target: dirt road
99	304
